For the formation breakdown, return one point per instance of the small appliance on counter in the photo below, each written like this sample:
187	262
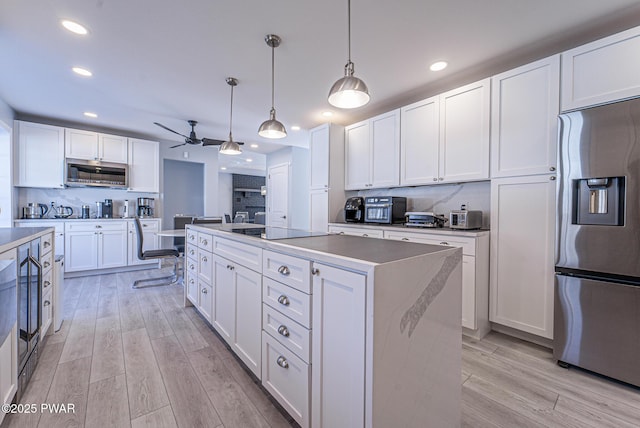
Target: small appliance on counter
354	210
34	210
63	212
463	219
145	207
125	208
424	219
86	211
107	208
384	209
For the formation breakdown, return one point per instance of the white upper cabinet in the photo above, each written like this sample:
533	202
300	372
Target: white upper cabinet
357	156
602	71
372	150
464	133
39	155
319	165
525	104
419	142
144	166
91	145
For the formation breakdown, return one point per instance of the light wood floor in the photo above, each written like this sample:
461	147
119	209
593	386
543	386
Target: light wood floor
138	358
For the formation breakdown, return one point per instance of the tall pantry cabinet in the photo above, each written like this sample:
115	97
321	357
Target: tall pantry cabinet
524	106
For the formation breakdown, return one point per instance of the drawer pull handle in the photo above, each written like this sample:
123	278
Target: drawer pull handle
205	242
444	243
192	237
46	284
191	281
405	239
204	291
47	264
192	267
98	226
365	235
282	362
284	270
46	244
315	271
192	252
204	259
341	233
46	303
283	300
283	330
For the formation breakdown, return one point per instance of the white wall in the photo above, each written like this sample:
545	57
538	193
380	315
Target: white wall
7	194
298	159
225	194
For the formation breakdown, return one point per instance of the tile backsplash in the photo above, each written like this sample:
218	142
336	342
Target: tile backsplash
441	198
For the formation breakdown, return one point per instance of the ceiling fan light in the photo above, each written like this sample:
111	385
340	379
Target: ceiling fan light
230	148
349	92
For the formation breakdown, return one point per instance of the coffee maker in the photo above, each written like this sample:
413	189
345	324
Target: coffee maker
145	207
354	210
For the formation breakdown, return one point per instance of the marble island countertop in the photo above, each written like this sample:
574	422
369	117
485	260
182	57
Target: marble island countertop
402	228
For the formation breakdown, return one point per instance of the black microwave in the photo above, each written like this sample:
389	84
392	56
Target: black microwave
384	209
80	173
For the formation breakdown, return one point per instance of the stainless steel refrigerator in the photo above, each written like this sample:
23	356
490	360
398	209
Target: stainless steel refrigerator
597	286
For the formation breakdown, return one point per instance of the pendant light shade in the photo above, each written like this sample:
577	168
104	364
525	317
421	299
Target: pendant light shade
230	147
349	91
272	128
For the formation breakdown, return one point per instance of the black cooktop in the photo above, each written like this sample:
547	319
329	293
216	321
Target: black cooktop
273	233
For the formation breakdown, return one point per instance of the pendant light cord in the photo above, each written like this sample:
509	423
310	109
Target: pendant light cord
231	114
349	30
273	50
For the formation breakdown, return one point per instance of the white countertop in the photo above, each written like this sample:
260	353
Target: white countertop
74	218
402	228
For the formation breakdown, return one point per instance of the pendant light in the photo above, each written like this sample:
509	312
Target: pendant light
272	128
349	91
230	147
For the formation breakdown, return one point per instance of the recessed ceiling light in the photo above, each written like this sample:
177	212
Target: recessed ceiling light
223	168
249	160
439	65
295	128
74	27
82	71
254	146
90	114
327	113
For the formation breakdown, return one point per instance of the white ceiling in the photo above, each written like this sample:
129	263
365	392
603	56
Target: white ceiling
166	61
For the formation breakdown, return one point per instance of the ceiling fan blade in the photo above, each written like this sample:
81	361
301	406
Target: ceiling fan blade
194	141
177	145
240	143
170	130
211	142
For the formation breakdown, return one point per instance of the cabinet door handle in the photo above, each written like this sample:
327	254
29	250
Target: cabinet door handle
46	244
283	330
315	271
192	237
365	235
405	239
205	242
552	178
282	362
230	267
46	284
341	233
191	266
192	252
552	168
98	226
46	303
191	281
283	300
204	259
284	270
440	179
444	243
47	264
204	291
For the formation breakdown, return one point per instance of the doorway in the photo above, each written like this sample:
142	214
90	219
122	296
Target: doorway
278	195
183	189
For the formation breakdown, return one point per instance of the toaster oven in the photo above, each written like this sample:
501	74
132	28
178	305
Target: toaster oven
384	209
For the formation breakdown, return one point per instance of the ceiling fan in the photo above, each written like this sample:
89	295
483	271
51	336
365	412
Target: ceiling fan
192	138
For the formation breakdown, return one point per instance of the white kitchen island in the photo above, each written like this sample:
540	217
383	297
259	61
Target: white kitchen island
343	331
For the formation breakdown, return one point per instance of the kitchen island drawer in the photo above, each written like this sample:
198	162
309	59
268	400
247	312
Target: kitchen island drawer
191	237
93	226
205	266
292	271
247	255
46	243
191	251
205	241
46	261
191	266
287	378
288	332
291	302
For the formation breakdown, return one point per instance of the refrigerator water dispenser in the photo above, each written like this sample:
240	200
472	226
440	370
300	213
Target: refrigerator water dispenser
599	201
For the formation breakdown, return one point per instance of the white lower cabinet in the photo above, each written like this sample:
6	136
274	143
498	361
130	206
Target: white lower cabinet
237	310
522	253
356	231
287	378
95	245
338	348
8	344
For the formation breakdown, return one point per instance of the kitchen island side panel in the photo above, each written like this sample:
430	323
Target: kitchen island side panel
417	342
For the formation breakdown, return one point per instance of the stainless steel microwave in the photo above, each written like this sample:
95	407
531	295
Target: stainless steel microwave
80	173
